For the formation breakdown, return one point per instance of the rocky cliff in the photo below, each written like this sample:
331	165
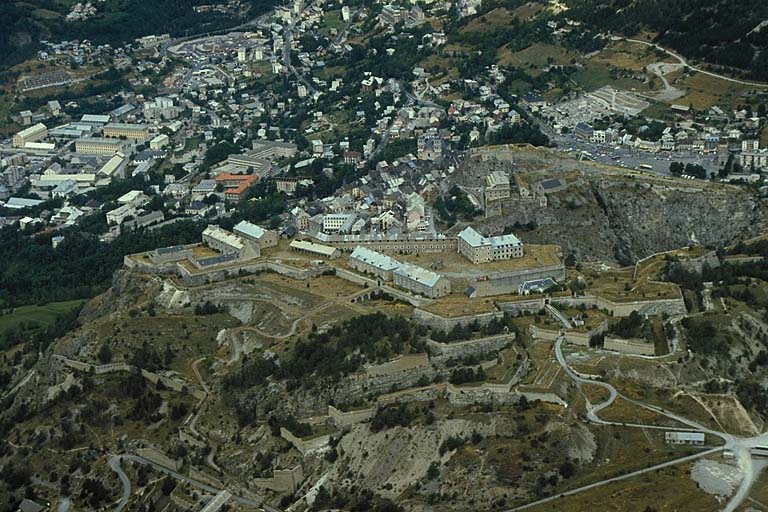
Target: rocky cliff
619	216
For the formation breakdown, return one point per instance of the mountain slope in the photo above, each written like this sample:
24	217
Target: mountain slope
728	33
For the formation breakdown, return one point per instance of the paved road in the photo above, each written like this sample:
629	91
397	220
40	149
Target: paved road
198	412
740	446
114	464
287	49
559	316
410	99
115	461
618	479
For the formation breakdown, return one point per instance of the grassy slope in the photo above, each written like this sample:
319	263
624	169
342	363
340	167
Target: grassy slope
41	315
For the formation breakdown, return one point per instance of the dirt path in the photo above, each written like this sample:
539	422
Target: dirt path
683	62
661	69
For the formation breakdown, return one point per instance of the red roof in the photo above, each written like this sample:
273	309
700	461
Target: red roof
240	189
245	178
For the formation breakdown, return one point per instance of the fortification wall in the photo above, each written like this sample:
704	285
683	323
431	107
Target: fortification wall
234	270
282	480
306	446
543	334
159	458
169	382
374	284
544	397
398	246
420	394
496	394
202	476
522	306
343	419
504	283
444	351
672	307
630	346
352	277
446	323
189	439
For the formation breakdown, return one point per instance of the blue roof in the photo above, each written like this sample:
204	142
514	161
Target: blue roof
418	274
472	237
22	202
551	184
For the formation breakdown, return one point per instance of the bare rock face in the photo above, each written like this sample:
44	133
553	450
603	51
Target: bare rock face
580	443
609	216
125	292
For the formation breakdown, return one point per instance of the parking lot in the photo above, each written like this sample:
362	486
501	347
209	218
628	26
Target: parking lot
46	80
632	158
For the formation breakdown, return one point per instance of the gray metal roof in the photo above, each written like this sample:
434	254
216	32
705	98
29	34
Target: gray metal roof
376	259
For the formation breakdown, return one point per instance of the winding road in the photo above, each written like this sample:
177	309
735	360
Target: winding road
116	460
741	447
114	464
682	61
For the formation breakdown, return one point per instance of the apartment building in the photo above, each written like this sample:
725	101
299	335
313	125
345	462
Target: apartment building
135	132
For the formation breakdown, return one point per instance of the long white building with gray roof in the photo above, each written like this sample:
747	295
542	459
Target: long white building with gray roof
371	262
263	237
405	275
421	280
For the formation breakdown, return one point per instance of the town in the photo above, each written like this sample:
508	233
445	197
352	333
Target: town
389	256
320	128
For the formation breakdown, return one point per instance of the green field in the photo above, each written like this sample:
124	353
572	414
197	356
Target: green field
331	20
594	76
35	317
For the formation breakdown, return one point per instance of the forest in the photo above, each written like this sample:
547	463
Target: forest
720	32
455	206
33	272
328	355
117	22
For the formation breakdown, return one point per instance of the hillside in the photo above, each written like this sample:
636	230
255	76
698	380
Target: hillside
236	392
610	215
728	33
116	22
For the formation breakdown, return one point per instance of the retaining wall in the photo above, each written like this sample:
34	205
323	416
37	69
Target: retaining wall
469	347
631	346
282	480
343	419
446	323
305	446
